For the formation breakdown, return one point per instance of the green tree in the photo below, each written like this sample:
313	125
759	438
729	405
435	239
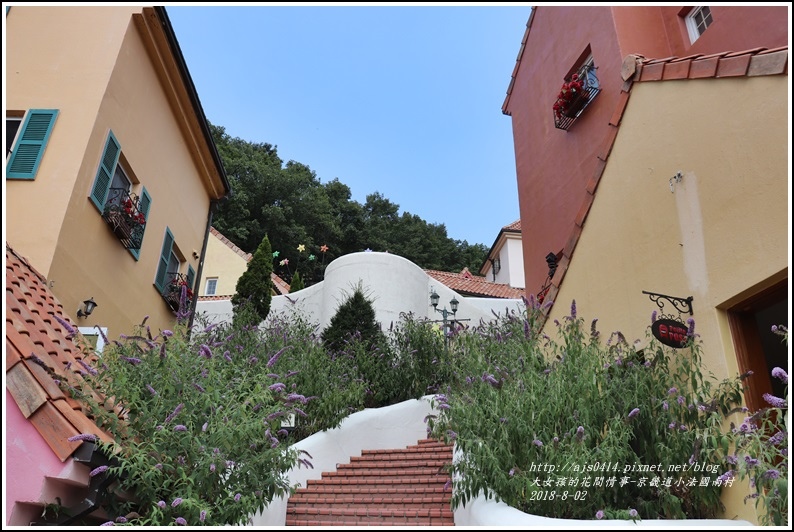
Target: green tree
354	317
253	292
297	283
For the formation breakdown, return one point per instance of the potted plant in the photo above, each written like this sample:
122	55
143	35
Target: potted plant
571	98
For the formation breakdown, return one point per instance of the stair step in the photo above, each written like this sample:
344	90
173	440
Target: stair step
377	481
383	523
396	461
400	491
363	472
371	514
438	500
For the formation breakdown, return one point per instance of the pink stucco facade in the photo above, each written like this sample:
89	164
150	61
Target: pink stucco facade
554	166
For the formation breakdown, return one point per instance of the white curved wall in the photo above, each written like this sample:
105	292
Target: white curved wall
393	284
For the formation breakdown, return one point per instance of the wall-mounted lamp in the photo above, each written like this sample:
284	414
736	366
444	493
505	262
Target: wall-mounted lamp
88	307
551	260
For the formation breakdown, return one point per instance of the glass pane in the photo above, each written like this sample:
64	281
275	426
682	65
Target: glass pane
12	126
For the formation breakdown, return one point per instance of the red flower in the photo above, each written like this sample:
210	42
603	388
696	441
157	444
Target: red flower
569	91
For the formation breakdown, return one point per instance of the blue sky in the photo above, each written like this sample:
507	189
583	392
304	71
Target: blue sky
401	100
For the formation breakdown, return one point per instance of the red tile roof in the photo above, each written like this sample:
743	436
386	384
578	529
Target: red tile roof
40	349
474	285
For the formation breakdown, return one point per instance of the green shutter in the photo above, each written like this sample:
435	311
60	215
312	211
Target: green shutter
31	141
191	277
160	279
104	176
143	206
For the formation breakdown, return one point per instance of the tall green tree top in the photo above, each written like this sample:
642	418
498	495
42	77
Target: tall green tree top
253	291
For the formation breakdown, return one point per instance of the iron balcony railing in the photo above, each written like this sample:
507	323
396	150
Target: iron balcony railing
123	215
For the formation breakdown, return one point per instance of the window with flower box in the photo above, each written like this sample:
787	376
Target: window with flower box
124	211
172	275
578	90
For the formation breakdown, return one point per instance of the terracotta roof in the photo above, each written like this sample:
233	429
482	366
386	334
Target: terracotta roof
474	285
40	349
230	244
513	227
636	68
279	285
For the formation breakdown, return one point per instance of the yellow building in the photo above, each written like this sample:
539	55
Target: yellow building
111	171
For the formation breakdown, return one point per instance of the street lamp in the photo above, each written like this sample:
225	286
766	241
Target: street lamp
453	305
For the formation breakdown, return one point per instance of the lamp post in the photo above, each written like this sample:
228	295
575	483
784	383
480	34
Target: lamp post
453	305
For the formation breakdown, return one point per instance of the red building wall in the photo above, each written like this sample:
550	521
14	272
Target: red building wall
554	166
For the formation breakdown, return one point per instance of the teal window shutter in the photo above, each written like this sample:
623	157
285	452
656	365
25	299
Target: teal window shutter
144	205
162	268
191	277
31	141
104	176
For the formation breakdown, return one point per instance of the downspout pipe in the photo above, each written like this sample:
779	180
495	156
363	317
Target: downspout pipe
213	207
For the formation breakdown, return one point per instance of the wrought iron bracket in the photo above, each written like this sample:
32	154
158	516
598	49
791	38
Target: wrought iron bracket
681	304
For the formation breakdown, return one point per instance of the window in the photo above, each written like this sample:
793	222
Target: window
30	138
697	21
112	193
94	338
12	126
211	286
169	278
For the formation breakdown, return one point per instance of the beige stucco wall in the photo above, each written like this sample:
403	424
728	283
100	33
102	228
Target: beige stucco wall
722	229
93	65
223	263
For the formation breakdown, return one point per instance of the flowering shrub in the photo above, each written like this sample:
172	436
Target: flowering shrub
197	424
760	452
569	92
614	432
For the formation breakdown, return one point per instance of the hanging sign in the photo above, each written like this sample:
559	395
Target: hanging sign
670	332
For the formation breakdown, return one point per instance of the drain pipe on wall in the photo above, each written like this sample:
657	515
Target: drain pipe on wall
212	209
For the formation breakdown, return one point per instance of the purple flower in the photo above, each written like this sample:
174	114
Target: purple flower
634	413
180	428
671	425
731	459
512	472
555	440
772	473
132	360
199	387
180	521
777	439
580	431
776	402
121	519
729	474
227	356
538	443
275	357
751	462
99	470
672	391
212	468
600	514
108	523
202	515
158	466
653	316
681	400
691	327
237	497
66	325
573	309
665	405
173	414
633	512
161	504
151	390
204	350
88	368
780	373
176	502
682	428
167	333
83	437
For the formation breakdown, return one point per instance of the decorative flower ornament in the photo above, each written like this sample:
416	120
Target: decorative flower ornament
275	254
301	248
323	248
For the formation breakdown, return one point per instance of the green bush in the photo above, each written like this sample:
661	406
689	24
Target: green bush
585	421
252	297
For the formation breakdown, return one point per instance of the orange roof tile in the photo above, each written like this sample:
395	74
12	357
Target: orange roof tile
474	285
40	349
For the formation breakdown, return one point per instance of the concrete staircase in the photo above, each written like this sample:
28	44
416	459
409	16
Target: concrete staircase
387	487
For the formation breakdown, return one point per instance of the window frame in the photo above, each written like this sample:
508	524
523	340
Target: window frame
693	27
207	286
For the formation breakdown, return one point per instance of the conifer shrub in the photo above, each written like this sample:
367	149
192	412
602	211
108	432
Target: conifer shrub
251	301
